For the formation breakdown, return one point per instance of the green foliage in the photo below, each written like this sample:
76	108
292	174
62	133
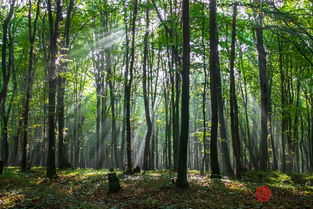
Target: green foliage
277	177
98	28
87	188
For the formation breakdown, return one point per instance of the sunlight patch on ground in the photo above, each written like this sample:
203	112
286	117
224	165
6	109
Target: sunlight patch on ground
87	188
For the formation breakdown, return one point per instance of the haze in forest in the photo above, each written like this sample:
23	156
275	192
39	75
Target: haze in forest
222	87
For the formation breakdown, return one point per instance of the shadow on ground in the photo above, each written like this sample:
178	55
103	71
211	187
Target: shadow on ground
87	188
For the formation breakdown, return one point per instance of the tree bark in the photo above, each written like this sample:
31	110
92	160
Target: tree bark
233	99
264	91
128	89
112	100
5	82
182	181
54	34
124	126
146	94
62	160
29	81
227	169
214	90
204	95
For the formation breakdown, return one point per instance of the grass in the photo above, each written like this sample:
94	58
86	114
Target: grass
87	188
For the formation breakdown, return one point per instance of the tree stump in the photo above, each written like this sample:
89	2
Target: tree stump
136	170
133	171
114	183
1	166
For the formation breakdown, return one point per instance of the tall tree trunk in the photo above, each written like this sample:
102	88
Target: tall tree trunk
295	126
204	94
168	114
98	128
125	86
176	140
146	94
214	90
62	160
103	145
311	96
233	99
128	89
173	120
112	100
6	108
274	163
264	91
29	81
54	33
98	80
283	103
182	181
227	169
157	149
152	152
5	82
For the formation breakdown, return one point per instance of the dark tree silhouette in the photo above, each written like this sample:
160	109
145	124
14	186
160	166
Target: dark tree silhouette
182	160
214	89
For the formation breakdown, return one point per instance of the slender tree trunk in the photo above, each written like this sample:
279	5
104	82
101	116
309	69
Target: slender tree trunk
310	121
98	118
233	99
264	92
112	100
146	94
54	33
173	120
29	81
62	161
152	152
274	163
125	88
60	114
214	90
311	96
283	102
128	89
295	126
157	149
227	169
168	144
7	107
103	144
182	181
204	94
176	140
98	78
302	151
289	125
5	82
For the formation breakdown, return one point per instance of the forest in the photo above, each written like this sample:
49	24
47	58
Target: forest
156	104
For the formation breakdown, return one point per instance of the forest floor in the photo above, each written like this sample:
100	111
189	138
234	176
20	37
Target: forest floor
87	188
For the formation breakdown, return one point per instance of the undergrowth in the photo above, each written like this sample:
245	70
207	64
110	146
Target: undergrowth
88	188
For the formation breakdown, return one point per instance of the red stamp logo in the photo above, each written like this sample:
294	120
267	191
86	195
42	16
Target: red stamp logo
263	193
